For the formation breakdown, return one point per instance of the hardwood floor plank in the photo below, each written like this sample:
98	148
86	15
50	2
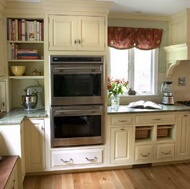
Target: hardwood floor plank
124	179
67	181
158	177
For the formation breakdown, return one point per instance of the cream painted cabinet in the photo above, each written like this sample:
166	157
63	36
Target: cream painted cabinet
2	96
121	145
85	33
13	180
77	156
183	135
11	143
1	49
155	136
34	130
121	138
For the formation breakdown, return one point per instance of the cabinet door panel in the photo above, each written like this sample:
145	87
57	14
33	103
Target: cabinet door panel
34	144
144	153
121	145
62	32
92	33
183	136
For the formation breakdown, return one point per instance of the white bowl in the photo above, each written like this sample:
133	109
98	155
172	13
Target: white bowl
18	70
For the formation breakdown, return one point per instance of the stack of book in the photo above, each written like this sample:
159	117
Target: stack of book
22	54
24	30
27	54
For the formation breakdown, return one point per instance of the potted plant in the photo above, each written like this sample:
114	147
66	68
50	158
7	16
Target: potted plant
115	88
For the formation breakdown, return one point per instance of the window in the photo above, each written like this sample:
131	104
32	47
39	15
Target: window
139	67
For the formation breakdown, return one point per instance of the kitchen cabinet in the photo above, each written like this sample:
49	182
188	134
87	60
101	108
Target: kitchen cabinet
154	137
34	139
13	180
121	139
121	145
66	158
183	135
81	33
24	49
179	39
2	96
2	66
11	143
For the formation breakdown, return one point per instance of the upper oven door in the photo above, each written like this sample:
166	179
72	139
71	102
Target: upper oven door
76	84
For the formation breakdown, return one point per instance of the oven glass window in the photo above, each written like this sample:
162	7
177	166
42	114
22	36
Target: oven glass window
76	85
77	126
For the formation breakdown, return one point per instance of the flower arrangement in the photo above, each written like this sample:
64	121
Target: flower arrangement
116	86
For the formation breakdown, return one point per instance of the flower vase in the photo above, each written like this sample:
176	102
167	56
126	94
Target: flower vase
115	100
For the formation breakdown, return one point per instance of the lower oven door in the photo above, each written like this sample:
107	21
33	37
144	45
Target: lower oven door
76	125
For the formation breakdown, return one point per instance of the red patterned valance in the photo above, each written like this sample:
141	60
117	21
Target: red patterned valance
141	38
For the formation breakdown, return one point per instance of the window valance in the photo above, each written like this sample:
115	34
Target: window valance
141	38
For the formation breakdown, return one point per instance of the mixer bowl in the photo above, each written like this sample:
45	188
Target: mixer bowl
29	101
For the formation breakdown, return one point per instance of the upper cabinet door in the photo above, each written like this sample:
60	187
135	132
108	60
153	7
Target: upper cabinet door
79	33
62	32
91	31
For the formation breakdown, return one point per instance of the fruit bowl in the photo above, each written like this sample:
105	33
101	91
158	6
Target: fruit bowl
18	70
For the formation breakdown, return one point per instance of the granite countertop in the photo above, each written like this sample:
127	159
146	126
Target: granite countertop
163	108
16	116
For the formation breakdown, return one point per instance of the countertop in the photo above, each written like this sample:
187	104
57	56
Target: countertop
163	108
16	116
6	166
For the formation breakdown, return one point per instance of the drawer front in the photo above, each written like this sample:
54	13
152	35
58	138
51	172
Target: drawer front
165	151
65	158
144	153
156	118
121	120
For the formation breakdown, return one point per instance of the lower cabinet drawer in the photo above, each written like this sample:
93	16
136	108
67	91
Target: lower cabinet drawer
165	151
78	157
144	153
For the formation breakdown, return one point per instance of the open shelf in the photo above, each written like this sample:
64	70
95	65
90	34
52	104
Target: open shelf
144	133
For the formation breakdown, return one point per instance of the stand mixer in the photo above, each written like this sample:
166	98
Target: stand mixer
32	100
167	93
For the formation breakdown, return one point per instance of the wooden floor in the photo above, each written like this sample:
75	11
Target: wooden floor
159	177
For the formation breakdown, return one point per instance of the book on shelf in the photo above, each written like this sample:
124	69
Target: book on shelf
15	53
25	30
144	105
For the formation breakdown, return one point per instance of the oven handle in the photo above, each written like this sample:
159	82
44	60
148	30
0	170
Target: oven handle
79	70
74	112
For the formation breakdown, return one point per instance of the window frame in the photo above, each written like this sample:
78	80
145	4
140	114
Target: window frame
154	71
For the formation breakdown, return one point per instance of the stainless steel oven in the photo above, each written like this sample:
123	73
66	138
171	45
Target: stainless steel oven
77	80
77	125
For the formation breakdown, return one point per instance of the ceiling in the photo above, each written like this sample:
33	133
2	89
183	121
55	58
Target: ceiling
143	7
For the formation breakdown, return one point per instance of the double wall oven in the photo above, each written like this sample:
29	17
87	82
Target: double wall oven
77	100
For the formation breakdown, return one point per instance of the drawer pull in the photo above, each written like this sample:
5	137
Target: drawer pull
166	153
145	155
158	119
123	121
92	160
70	161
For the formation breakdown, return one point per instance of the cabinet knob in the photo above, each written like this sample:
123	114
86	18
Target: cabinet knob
79	41
75	41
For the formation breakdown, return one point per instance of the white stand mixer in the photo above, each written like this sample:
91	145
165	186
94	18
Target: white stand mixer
32	100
